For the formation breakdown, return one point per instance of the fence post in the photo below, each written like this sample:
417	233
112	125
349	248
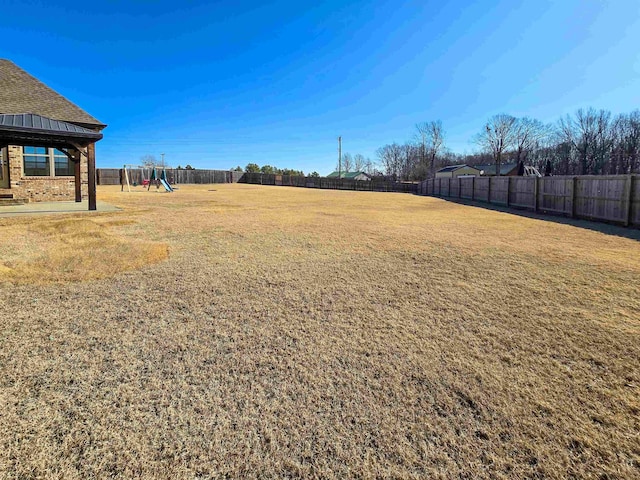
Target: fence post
629	198
536	188
574	196
473	187
508	190
459	187
489	190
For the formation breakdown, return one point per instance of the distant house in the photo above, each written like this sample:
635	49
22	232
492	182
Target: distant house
350	175
506	170
454	171
47	143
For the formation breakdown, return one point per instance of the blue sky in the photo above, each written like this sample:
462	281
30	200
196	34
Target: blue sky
219	84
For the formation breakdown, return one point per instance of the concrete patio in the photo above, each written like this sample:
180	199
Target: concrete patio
47	208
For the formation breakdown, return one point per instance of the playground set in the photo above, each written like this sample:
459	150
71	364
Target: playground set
147	180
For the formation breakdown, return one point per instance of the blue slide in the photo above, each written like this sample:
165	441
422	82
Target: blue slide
166	186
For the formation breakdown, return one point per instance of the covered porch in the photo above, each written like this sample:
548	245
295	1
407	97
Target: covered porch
27	138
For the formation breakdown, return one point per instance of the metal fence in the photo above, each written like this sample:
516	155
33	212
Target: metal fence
612	198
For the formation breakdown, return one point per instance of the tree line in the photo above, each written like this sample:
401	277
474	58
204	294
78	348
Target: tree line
589	142
268	169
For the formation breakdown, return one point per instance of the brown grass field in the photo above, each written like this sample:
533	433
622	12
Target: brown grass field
237	331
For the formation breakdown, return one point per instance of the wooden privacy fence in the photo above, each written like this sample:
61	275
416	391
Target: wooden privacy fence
329	183
111	176
613	198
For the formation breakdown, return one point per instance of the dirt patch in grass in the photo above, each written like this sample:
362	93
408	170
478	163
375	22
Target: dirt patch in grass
306	333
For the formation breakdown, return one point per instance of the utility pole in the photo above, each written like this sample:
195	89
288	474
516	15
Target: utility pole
339	157
162	161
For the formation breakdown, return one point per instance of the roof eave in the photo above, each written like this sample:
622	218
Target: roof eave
90	126
47	133
13	136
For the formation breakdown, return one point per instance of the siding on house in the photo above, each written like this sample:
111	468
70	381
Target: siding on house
453	171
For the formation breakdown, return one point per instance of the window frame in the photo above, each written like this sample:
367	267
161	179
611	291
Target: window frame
50	156
55	155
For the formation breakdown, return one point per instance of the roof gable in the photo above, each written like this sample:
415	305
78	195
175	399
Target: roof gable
21	92
347	174
490	169
451	168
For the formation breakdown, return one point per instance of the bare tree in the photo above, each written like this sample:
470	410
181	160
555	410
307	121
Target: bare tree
390	157
626	150
497	136
589	134
409	162
632	142
528	135
148	161
430	138
588	142
369	167
421	135
347	162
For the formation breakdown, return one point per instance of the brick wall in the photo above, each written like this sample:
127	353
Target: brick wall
43	189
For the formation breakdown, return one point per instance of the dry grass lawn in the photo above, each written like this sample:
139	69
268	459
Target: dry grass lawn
231	331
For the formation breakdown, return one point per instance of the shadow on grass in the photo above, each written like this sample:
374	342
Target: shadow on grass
632	233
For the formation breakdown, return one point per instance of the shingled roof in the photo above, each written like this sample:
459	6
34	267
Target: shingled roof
490	169
21	92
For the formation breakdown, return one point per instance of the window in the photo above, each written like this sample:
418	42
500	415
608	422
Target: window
2	162
63	166
36	161
46	162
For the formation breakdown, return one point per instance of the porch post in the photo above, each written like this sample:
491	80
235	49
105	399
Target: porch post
91	163
76	171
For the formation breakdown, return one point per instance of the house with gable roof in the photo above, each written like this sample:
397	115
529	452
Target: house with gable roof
454	171
47	143
350	175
